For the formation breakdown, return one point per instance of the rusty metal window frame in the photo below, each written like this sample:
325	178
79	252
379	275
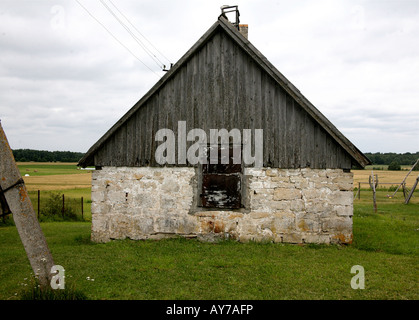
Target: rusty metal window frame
4	207
207	169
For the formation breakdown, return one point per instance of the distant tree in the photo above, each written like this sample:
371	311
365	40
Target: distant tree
386	158
25	155
394	165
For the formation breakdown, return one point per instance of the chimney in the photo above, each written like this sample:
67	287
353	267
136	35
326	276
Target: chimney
244	30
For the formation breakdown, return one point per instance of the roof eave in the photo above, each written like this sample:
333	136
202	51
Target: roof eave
245	44
88	158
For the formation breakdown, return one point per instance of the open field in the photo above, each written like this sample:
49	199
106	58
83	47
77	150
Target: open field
384	176
54	176
61	176
384	167
58	182
385	244
47	168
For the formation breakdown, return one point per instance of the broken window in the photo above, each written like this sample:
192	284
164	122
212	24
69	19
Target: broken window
221	185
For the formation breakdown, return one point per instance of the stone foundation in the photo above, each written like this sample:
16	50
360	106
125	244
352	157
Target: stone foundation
281	205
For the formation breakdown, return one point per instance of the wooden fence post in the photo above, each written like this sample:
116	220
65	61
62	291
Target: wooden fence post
404	191
374	195
82	208
27	225
359	190
62	211
411	191
39	202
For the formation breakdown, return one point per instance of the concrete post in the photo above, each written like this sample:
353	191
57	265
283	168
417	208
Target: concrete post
30	232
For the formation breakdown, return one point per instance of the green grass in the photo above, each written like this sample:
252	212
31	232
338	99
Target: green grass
393	229
71	196
385	244
42	169
386	231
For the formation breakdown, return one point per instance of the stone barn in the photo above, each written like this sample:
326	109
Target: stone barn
223	146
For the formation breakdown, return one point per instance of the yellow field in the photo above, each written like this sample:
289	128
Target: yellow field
384	176
47	163
58	182
83	180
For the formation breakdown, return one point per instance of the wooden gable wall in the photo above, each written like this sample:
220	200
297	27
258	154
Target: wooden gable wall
221	86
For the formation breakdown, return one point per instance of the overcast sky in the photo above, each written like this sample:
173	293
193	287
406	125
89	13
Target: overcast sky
65	80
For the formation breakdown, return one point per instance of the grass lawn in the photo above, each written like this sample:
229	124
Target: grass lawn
47	168
54	176
385	244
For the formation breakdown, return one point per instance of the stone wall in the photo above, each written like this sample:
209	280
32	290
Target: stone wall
282	205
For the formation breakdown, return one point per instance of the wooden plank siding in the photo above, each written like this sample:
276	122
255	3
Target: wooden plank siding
225	82
221	86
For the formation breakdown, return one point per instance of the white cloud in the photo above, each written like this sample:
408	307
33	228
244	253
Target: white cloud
64	81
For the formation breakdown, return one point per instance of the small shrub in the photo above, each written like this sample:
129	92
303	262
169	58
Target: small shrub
53	209
7	221
392	188
395	166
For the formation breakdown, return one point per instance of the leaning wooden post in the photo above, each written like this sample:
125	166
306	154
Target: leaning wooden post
373	189
411	191
404	191
411	169
27	225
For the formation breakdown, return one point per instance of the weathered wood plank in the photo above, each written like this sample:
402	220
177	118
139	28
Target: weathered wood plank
290	132
154	126
148	132
221	86
281	98
138	140
310	141
227	58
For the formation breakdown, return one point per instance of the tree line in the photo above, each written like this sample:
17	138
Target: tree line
394	160
26	155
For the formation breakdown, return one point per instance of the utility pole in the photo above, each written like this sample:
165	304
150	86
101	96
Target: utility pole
14	193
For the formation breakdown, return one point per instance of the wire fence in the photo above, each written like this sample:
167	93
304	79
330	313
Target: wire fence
55	206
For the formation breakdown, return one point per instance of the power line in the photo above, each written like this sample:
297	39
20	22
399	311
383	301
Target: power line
140	32
117	38
151	55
